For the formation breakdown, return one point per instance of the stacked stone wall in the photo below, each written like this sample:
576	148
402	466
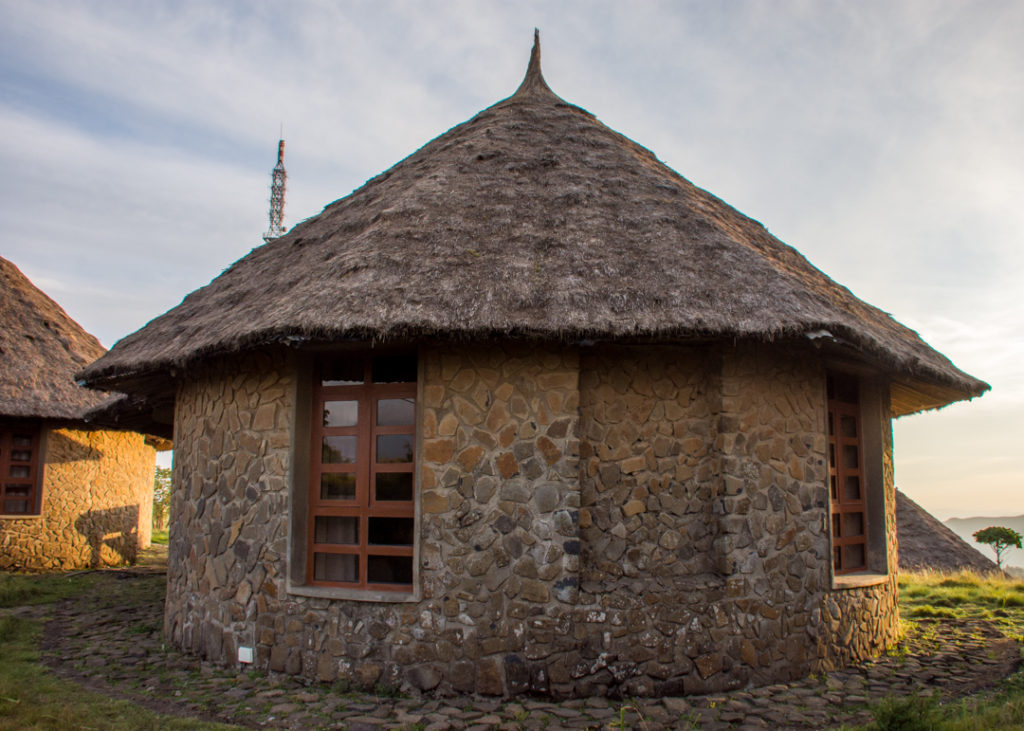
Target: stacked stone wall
604	521
97	503
228	540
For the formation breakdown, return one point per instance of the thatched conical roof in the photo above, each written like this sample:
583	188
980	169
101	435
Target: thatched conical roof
41	349
926	543
532	219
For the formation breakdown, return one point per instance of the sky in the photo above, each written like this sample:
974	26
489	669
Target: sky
884	141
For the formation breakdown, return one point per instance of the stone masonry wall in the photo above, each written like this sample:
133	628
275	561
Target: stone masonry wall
604	521
97	503
498	546
228	538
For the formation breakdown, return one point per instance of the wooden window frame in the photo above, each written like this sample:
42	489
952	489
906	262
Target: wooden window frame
7	463
365	506
846	411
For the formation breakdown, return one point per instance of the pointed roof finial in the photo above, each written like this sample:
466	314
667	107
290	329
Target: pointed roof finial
533	82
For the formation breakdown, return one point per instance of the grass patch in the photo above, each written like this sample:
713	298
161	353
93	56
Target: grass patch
159	537
20	589
931	594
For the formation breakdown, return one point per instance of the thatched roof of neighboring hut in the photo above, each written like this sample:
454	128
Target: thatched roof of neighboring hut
41	349
532	219
926	543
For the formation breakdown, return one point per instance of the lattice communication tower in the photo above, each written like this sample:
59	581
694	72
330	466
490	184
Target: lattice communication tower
277	177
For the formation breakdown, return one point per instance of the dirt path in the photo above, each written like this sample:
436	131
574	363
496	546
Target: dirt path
110	641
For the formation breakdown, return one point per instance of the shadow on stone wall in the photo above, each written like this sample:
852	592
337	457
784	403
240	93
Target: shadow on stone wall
112	534
62	448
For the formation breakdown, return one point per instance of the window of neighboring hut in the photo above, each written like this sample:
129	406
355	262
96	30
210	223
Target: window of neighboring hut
847	484
362	526
19	471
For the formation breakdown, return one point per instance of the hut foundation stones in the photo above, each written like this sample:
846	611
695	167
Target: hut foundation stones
592	521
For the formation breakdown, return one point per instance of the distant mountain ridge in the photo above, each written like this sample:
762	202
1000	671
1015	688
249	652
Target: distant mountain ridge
925	543
965	528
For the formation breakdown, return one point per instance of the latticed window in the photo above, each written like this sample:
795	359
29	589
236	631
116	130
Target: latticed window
846	475
362	472
19	465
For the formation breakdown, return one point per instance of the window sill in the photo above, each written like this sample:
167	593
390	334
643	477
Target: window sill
356	595
859	580
20	516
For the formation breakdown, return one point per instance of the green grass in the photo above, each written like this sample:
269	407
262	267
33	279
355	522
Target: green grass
929	594
21	589
159	537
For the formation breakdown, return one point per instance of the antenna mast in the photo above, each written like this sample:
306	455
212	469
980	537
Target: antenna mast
277	177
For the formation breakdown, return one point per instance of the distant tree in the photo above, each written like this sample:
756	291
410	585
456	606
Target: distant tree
161	497
1000	539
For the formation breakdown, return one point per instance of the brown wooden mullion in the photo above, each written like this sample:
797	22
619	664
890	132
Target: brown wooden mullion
389	550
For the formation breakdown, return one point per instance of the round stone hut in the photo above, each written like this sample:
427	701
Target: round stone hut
531	413
72	495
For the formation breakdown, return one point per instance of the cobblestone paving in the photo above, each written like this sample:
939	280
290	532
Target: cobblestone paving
111	642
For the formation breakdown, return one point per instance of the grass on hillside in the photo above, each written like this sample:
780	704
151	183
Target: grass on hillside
931	594
31	697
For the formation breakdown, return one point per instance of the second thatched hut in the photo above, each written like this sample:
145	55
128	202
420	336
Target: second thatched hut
72	494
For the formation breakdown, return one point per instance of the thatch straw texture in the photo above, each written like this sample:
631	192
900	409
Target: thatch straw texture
41	349
532	220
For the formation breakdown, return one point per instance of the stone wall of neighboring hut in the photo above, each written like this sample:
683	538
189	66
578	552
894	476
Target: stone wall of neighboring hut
97	503
593	520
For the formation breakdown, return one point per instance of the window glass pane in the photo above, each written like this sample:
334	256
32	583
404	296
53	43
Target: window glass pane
394	448
854	556
21	455
339	450
837	531
837	560
852	490
21	440
338	486
18	490
342	371
396	411
341	413
389	569
394	369
850	456
835	492
341	530
394	486
390	531
831	425
20	471
16	507
853	524
335	567
849	426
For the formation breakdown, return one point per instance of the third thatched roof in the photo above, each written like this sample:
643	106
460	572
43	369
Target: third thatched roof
534	220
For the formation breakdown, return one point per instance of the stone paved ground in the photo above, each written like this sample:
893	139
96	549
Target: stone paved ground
110	641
